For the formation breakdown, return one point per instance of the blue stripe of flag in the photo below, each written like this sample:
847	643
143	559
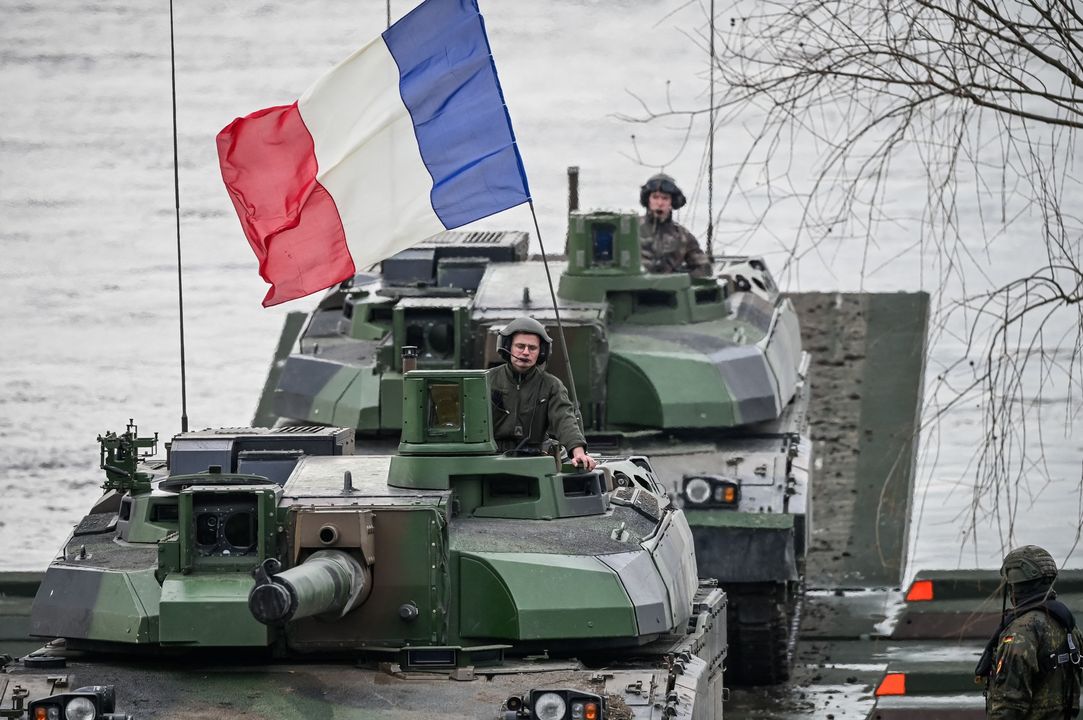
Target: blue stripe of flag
448	82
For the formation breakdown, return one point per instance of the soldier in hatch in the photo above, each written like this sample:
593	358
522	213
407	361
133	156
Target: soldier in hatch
665	246
528	402
1032	665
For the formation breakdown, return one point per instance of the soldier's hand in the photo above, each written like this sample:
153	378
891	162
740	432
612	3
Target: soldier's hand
581	459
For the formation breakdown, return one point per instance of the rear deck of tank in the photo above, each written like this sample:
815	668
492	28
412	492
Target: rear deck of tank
866	378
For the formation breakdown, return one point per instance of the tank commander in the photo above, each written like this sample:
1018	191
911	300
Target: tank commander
664	245
1031	666
529	404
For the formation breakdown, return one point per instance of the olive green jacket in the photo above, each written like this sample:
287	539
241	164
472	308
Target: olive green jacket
666	247
533	405
1020	687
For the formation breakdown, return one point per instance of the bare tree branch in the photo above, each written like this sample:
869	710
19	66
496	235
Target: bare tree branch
988	95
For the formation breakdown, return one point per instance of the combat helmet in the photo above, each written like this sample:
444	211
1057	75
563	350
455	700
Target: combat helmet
662	183
1027	564
525	325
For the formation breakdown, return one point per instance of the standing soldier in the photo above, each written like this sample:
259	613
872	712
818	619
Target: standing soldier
665	246
528	403
1032	665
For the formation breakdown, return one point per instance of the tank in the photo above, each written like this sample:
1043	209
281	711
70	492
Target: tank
707	377
446	578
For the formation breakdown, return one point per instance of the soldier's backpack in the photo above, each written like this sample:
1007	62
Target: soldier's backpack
1065	658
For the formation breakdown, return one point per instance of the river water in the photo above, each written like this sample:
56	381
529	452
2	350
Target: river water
89	326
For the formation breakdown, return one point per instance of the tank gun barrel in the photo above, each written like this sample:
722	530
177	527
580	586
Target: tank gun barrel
329	581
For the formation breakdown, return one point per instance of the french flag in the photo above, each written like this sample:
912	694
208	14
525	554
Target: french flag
407	137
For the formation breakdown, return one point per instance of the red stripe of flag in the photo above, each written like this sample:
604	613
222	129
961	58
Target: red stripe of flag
269	166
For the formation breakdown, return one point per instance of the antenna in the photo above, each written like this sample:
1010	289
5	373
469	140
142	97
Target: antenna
710	152
176	196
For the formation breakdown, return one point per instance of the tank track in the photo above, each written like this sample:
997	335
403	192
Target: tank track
762	621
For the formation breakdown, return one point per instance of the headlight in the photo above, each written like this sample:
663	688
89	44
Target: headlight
563	705
697	490
710	491
86	703
549	706
80	708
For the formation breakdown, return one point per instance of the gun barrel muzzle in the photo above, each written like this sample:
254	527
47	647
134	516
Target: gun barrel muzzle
328	581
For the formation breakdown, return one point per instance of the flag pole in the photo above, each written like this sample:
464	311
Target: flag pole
556	311
176	197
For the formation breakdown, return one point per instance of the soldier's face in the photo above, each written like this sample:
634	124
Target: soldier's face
660	204
524	351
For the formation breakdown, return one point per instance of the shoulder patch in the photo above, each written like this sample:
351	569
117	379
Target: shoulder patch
1006	639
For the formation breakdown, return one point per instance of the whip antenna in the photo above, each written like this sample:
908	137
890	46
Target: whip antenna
176	196
710	152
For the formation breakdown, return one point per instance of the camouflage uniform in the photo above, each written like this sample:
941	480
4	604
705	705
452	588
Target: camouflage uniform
666	247
534	404
1032	665
1022	685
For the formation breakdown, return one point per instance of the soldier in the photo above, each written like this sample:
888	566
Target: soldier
665	246
1031	666
528	402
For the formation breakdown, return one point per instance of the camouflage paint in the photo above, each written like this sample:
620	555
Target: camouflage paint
209	610
86	603
549	596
